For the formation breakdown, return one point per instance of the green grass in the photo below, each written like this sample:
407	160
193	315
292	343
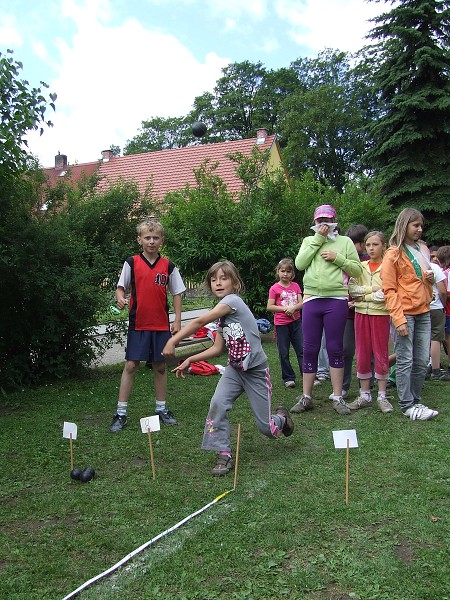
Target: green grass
285	532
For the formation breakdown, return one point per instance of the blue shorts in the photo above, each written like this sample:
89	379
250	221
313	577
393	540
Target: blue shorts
146	345
447	324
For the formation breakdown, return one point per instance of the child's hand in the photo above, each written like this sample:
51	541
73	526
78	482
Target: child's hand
182	369
169	349
375	288
122	302
288	311
402	329
323	230
328	255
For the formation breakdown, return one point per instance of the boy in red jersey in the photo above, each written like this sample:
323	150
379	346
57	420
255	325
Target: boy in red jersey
147	276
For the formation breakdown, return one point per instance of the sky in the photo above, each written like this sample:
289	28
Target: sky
116	63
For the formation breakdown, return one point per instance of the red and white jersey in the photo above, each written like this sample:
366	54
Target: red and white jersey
148	284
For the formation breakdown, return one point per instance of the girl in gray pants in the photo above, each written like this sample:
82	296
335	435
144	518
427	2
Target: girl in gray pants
247	369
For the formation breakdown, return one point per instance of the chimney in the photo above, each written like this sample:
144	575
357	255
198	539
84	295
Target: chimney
107	155
261	135
60	161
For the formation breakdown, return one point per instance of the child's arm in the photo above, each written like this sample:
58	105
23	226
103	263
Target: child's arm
176	325
215	350
220	310
121	301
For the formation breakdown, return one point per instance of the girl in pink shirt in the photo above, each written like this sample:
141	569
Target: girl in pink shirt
285	301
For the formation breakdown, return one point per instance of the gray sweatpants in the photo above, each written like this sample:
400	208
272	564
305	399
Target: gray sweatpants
258	387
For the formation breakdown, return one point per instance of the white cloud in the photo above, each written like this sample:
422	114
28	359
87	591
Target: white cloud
319	24
112	78
9	36
237	8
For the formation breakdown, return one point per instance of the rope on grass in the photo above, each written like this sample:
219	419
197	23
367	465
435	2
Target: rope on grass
144	546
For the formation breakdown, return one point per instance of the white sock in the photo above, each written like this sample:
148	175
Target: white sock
122	408
160	405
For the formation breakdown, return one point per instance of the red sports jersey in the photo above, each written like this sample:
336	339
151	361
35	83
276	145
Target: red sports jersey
149	309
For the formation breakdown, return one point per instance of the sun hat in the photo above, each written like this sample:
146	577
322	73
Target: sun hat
324	210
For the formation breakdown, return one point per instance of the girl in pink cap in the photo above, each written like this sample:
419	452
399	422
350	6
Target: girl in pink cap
328	260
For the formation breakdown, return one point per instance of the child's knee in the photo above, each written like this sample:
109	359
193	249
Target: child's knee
159	367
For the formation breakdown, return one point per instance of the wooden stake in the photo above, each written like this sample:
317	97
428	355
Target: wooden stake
347	471
71	452
237	455
151	452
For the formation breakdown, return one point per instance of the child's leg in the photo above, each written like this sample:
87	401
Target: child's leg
349	352
421	353
296	339
363	351
127	379
160	380
334	321
312	327
216	434
258	387
283	344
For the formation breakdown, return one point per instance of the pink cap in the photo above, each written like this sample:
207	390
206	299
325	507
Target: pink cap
325	210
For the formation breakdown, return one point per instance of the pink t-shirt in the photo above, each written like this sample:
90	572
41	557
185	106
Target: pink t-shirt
285	296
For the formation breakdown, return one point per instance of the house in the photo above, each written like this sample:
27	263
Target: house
170	170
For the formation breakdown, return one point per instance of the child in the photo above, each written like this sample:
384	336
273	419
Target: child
407	277
247	369
148	275
443	256
328	260
372	324
285	301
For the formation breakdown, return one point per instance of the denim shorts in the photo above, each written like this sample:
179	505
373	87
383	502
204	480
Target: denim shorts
146	345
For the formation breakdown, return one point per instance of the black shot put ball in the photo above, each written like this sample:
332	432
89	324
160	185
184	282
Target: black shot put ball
87	474
199	129
75	473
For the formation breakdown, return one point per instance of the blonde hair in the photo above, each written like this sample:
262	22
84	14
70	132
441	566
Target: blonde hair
151	225
288	263
229	270
407	216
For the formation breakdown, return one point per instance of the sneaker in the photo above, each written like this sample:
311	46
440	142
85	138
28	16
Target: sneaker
419	412
118	423
360	402
223	465
303	403
384	405
322	377
331	396
289	384
340	407
166	417
317	382
288	427
445	377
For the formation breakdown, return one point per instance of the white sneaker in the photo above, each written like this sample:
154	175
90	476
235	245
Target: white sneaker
419	412
384	405
360	402
289	384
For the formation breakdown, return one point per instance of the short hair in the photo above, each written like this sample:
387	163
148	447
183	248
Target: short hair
407	216
357	233
151	225
380	234
229	270
287	263
443	256
434	248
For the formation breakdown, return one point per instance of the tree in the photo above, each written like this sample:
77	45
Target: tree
21	109
411	152
322	123
160	133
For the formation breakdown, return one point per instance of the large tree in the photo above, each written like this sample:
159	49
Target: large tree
410	58
323	122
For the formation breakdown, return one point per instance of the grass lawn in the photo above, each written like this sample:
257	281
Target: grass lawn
285	532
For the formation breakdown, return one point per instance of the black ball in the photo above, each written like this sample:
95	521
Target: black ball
75	473
87	474
199	129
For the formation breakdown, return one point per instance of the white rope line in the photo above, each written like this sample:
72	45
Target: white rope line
146	545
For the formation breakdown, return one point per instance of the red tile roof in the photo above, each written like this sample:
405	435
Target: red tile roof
170	170
75	172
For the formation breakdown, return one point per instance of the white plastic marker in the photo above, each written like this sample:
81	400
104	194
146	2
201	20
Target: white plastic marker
70	431
143	547
346	438
149	424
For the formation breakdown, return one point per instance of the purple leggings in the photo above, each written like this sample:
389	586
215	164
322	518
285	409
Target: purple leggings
329	315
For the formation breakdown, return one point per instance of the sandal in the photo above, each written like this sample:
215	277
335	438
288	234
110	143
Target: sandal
223	465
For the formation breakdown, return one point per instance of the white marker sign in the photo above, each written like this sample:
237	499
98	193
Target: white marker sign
70	428
340	438
151	423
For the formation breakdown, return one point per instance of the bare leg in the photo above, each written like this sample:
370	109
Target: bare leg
127	379
160	380
337	377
